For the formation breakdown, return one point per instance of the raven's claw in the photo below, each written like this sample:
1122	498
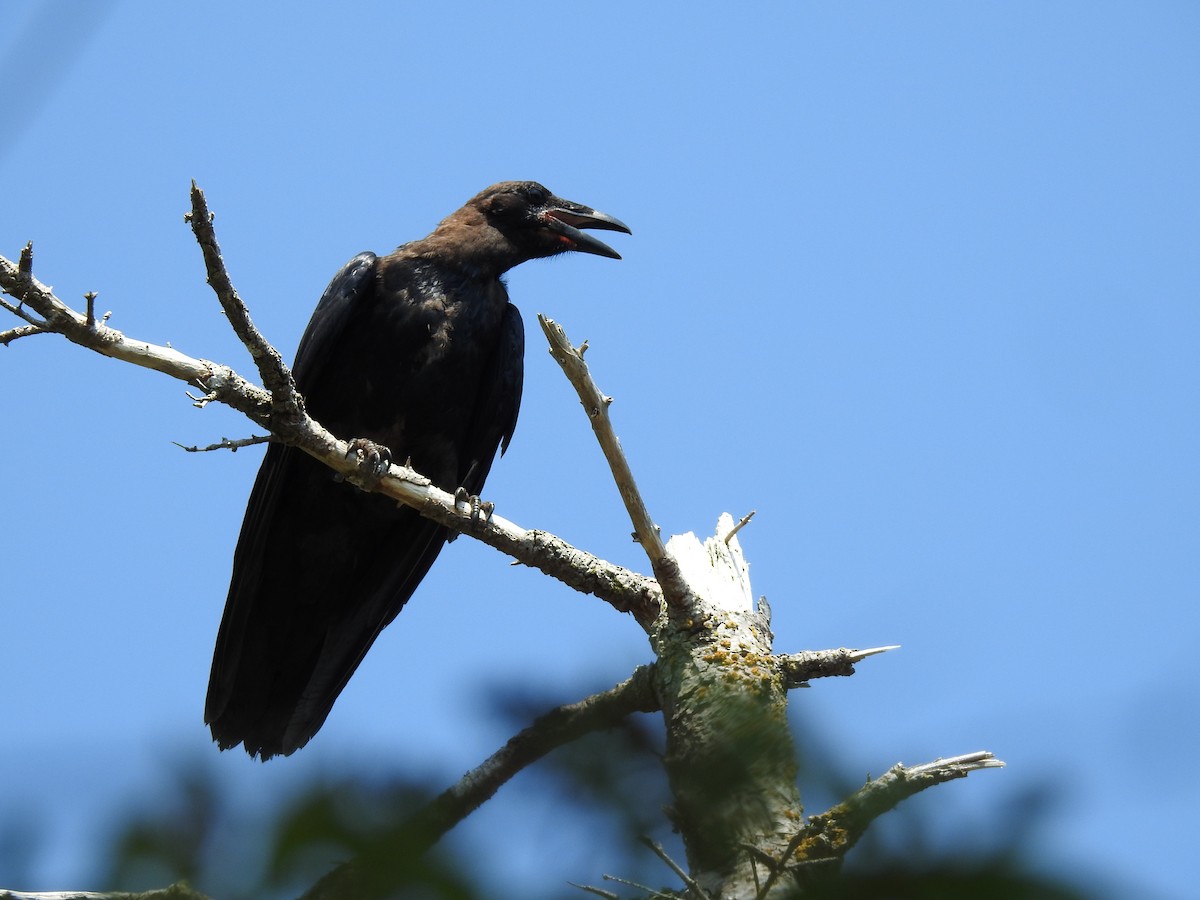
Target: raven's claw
480	509
374	460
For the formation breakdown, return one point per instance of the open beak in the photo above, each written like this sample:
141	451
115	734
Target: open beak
566	219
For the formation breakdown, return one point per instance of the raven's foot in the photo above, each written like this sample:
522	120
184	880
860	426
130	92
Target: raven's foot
374	460
481	510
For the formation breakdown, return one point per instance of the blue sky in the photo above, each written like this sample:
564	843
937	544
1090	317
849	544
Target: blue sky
920	282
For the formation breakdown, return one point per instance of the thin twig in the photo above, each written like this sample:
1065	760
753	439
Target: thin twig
799	668
174	892
276	376
651	893
692	886
21	278
599	892
595	403
7	337
227	444
17	308
742	523
777	867
953	767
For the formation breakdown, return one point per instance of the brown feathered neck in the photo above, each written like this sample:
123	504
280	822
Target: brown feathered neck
510	223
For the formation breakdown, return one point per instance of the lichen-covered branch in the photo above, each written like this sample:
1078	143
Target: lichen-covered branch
799	668
731	759
833	833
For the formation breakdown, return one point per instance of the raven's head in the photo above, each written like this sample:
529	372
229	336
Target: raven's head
515	221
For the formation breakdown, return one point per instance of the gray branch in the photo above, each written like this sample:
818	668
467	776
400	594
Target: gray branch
7	337
831	834
799	668
174	892
676	589
284	416
730	757
227	444
560	726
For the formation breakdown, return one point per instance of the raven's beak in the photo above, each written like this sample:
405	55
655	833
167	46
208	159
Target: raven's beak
566	219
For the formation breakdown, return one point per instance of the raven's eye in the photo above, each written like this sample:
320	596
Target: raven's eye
535	194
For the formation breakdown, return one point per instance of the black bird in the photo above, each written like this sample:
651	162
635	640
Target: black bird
420	352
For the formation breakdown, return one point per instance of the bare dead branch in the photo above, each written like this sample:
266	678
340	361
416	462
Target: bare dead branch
833	833
724	629
23	270
694	889
595	403
625	590
226	444
7	337
276	376
598	892
799	668
554	729
742	523
651	893
174	892
221	381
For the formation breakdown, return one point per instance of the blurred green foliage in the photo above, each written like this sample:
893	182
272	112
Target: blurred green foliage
198	832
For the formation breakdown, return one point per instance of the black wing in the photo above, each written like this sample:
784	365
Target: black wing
494	418
406	543
351	286
320	567
263	633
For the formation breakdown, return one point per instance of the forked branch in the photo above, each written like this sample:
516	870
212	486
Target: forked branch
625	590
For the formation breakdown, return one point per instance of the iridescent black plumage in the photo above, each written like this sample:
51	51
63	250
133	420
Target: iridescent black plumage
419	351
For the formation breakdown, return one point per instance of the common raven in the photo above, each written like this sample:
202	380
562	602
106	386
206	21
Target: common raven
420	352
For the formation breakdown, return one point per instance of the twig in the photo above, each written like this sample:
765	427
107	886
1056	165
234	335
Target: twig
798	668
834	832
7	337
651	893
692	886
778	866
227	444
742	523
16	308
23	276
953	767
226	385
276	376
625	590
599	892
549	731
595	403
174	892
